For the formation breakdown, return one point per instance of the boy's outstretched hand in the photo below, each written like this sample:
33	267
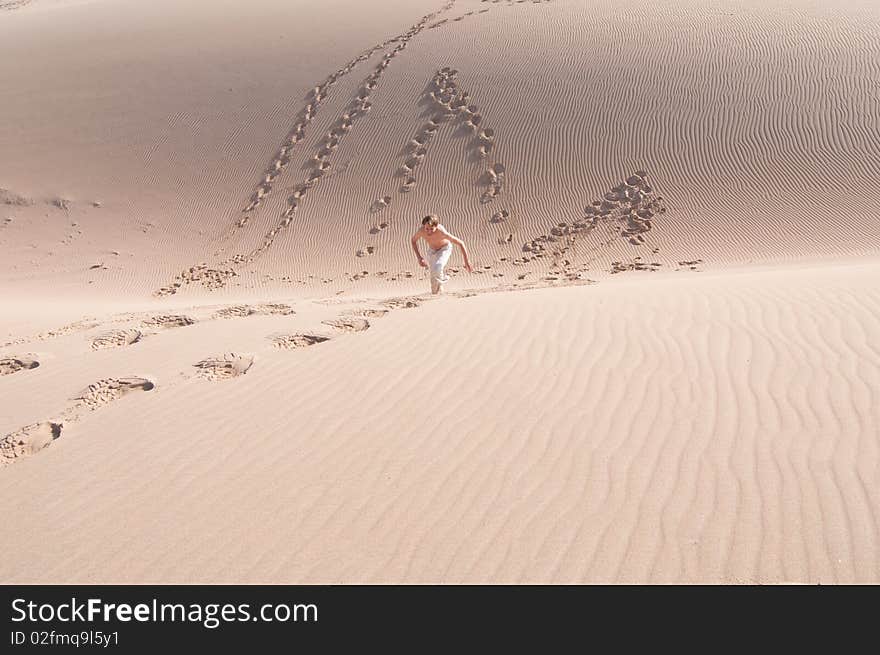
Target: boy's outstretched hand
422	262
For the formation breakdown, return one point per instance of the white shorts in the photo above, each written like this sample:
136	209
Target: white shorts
437	260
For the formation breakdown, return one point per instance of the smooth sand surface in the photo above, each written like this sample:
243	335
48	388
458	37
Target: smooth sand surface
218	362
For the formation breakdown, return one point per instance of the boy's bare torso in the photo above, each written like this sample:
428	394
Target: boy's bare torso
436	239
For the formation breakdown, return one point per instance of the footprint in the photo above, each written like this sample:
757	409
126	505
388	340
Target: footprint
107	390
10	365
489	195
27	441
380	204
33	438
293	341
474	121
116	339
349	324
401	303
500	217
690	264
224	368
235	311
168	321
360	106
279	309
371	313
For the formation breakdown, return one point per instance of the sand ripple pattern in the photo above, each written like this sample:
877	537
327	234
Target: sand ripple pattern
321	162
451	105
318	95
675	445
713	428
212	276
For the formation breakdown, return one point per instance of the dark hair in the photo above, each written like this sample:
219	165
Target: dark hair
430	218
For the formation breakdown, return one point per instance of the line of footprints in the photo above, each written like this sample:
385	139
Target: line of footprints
35	437
449	104
217	276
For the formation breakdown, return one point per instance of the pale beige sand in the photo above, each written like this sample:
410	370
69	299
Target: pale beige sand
208	375
757	122
715	428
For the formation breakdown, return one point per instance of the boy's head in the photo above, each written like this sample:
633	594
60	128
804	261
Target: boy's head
430	223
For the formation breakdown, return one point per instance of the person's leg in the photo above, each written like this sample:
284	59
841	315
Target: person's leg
438	261
431	257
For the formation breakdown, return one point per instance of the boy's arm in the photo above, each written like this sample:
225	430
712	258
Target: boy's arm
415	246
458	242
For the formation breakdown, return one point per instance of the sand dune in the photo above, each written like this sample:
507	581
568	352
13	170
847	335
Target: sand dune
716	428
218	361
758	127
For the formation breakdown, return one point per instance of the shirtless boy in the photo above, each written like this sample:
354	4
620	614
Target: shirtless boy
439	249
